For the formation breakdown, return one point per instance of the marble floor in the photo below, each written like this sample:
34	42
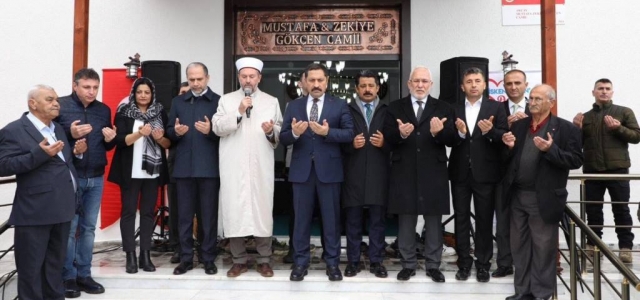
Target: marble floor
109	262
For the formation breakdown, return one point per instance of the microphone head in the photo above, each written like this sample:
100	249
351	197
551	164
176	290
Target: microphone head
247	91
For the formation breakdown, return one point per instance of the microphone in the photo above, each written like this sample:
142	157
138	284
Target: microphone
247	92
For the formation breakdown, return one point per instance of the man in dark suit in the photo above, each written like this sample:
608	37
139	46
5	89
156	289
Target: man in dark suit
196	166
542	150
515	84
316	126
474	169
35	150
418	128
367	174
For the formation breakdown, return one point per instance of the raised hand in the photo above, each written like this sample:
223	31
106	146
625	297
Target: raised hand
244	104
204	127
405	128
377	139
157	133
509	139
485	125
109	133
299	127
181	129
461	126
78	131
436	125
543	144
577	120
515	117
267	127
145	129
322	130
611	123
80	147
358	141
52	149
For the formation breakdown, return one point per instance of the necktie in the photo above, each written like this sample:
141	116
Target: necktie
515	108
313	116
420	110
369	113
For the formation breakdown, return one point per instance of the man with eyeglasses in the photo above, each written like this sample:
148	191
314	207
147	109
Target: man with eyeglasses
417	128
542	149
474	170
366	175
607	131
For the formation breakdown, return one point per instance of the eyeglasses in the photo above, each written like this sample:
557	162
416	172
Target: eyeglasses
423	81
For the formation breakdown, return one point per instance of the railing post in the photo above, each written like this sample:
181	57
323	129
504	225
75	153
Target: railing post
573	259
625	289
583	216
597	293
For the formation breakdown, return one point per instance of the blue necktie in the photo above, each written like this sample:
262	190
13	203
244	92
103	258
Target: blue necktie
369	113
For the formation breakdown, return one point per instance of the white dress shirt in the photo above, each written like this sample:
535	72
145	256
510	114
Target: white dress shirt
521	106
471	112
414	102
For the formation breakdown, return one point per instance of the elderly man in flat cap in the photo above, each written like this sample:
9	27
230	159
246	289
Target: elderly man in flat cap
248	122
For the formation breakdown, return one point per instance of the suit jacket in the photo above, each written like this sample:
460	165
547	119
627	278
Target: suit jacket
419	182
122	162
196	153
553	167
479	154
45	193
367	168
323	151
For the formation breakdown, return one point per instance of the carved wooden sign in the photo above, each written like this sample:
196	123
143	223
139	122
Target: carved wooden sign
328	31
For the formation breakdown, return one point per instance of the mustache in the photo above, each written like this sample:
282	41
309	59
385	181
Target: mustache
368	94
317	89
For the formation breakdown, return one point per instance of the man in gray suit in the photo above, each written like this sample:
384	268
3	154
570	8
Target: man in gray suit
36	151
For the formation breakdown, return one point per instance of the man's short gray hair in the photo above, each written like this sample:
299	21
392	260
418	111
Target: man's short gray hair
551	93
35	90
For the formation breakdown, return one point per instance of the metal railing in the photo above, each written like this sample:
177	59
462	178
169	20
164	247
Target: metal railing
575	250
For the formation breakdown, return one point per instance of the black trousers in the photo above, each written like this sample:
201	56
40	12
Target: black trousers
202	192
483	200
145	192
503	224
534	245
174	231
620	192
353	221
40	252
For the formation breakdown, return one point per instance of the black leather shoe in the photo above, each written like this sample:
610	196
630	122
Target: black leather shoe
182	268
482	275
132	265
71	289
145	261
210	267
89	286
334	274
175	258
298	273
463	274
379	270
435	275
352	269
405	274
538	298
502	272
520	297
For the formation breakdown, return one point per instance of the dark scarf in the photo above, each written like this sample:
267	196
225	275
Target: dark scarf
151	156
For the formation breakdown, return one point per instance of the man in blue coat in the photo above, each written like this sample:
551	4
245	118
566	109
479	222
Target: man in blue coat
316	125
196	166
35	150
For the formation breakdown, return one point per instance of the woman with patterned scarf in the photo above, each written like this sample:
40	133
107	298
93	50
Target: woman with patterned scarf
139	167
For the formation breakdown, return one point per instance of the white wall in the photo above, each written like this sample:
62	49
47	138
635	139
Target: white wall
598	40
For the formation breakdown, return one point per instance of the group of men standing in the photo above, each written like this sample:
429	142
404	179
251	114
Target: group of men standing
511	158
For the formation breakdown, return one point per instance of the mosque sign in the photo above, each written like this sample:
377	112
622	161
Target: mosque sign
330	31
